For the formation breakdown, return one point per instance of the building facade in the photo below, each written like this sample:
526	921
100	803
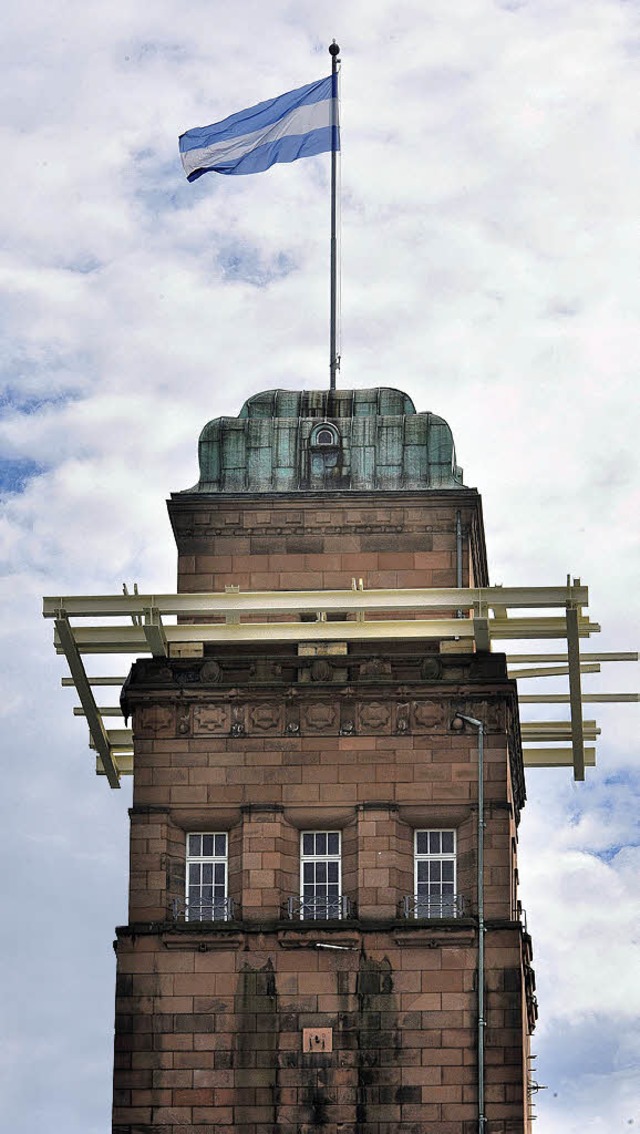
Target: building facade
324	928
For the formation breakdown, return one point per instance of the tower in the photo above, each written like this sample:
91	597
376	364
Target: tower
324	930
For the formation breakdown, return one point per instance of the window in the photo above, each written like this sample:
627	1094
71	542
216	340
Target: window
324	437
324	434
320	880
206	896
435	874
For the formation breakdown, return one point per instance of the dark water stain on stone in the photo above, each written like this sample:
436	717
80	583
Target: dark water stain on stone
377	1030
257	1036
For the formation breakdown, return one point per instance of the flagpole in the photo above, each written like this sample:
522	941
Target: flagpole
334	361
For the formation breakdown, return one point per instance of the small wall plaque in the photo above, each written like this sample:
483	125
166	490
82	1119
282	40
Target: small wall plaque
317	1039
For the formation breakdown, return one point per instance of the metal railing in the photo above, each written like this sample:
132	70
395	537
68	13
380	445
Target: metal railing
320	908
433	906
205	909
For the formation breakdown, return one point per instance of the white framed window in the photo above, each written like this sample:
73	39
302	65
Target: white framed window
320	875
435	873
206	877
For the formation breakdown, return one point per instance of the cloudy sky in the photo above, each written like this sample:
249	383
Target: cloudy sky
490	250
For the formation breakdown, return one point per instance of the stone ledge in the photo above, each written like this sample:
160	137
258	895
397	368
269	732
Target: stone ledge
190	940
344	934
343	937
458	931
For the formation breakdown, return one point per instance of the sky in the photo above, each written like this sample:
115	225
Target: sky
489	193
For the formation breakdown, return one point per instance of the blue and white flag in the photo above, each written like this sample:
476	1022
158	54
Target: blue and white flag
298	124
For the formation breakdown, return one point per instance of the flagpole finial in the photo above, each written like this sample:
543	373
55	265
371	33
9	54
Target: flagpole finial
334	48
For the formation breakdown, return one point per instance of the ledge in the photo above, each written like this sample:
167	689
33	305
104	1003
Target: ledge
445	931
308	935
345	934
232	939
221	935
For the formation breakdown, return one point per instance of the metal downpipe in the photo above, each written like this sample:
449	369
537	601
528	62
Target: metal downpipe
458	549
481	929
459	613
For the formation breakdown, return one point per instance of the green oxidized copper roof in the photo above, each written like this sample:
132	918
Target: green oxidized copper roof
314	440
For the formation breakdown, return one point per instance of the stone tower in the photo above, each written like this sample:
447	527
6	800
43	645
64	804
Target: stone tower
324	932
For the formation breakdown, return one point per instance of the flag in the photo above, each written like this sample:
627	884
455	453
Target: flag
294	125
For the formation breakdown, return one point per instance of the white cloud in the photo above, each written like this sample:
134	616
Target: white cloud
490	248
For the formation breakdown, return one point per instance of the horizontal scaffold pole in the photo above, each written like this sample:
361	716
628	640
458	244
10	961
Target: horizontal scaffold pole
292	602
555	757
132	639
585	656
564	698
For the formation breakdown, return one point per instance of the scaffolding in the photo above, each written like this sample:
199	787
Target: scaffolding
460	618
